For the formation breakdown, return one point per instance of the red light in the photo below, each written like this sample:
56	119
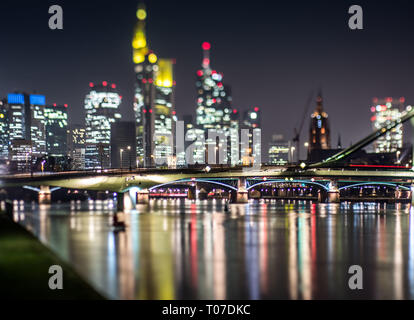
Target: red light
150	80
104	83
234	111
66	105
373	118
145	111
206	46
54	104
91	84
256	109
373	109
214	100
150	110
213	72
120	97
174	112
144	80
402	99
220	84
199	73
206	61
113	86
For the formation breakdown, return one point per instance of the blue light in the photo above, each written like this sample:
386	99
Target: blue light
15	98
37	99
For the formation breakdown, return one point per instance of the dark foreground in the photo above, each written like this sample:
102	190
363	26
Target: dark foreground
24	266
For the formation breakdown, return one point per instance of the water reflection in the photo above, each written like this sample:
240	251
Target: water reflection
175	249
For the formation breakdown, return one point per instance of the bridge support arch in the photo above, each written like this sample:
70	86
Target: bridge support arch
45	195
142	196
242	194
126	200
333	192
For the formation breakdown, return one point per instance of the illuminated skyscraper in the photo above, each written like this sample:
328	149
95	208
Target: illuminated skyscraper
38	125
26	123
4	132
214	110
19	116
56	130
154	99
76	136
251	120
278	150
101	106
386	111
319	128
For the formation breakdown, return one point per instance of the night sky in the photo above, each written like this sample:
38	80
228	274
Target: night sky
272	54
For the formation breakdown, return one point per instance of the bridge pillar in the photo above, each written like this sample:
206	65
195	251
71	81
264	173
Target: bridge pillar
241	195
143	196
192	192
126	201
412	193
397	194
333	192
45	196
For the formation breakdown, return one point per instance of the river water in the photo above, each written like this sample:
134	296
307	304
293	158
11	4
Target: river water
181	249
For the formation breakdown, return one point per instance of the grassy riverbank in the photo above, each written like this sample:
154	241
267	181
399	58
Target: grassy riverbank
24	266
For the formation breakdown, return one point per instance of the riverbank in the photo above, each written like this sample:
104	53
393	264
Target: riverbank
24	266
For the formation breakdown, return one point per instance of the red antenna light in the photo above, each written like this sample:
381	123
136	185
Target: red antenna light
91	84
66	105
104	83
256	109
234	111
206	46
113	86
174	112
54	104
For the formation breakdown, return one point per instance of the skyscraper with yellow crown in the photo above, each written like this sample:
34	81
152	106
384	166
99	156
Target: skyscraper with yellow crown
154	99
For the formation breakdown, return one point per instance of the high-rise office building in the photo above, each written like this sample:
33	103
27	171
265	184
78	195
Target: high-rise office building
21	155
251	121
214	111
56	130
19	116
4	132
76	136
279	149
154	99
38	125
102	109
384	112
319	138
27	122
123	148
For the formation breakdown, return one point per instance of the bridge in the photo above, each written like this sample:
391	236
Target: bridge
134	186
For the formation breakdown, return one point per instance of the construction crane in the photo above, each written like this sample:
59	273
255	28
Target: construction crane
298	130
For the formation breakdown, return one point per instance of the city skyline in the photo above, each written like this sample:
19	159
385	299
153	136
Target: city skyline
284	82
